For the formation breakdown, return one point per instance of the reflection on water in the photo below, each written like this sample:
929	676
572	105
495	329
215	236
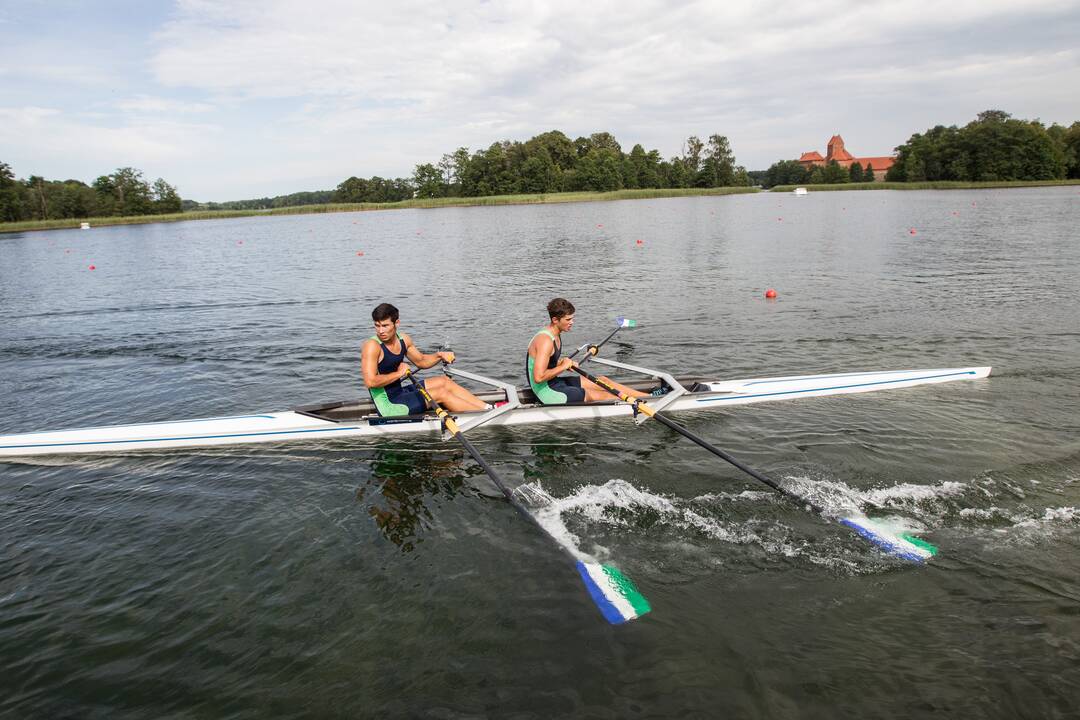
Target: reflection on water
403	483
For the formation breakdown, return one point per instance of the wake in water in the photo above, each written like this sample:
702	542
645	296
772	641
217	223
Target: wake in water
618	503
904	508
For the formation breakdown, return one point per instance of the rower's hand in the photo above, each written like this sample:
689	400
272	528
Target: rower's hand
446	356
403	371
565	364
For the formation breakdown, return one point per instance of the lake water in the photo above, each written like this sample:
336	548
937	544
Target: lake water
390	579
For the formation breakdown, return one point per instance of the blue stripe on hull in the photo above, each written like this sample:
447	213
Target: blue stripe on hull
173	439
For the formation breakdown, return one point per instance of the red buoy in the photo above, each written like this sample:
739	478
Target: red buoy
640	242
93	267
360	254
770	293
912	231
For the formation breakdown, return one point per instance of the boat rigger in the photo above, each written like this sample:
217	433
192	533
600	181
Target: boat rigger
358	418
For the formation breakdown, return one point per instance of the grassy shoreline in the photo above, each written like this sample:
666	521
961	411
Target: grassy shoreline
31	225
934	185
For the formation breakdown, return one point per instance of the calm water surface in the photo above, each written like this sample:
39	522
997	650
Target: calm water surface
389	578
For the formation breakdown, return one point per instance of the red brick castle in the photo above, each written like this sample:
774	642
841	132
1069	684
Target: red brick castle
843	158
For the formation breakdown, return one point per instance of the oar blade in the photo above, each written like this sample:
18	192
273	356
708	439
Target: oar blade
625	322
896	543
615	595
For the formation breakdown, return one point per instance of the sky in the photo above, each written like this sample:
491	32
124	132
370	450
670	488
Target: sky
244	99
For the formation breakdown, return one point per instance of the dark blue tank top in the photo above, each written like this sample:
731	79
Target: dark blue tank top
390	361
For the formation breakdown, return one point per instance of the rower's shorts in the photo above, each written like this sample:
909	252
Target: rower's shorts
562	390
400	400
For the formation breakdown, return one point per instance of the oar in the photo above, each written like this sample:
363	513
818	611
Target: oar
615	594
902	545
620	323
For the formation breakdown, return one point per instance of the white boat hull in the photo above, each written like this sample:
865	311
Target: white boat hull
295	426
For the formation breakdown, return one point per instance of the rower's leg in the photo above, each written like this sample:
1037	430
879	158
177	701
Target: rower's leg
452	396
595	393
464	399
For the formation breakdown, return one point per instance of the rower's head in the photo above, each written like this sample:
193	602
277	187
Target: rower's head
386	321
561	312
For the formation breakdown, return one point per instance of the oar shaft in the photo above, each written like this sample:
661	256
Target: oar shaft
593	349
614	594
641	406
451	426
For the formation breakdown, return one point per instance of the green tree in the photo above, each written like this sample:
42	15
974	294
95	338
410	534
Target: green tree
605	141
561	149
428	181
718	168
11	204
786	172
868	173
834	174
165	197
817	176
38	196
692	156
855	173
599	171
539	174
1071	142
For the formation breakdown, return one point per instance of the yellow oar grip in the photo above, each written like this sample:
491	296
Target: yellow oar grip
451	426
642	407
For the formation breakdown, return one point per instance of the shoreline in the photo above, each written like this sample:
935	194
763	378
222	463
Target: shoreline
928	185
415	203
526	199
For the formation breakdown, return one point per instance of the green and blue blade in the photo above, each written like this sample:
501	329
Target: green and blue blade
903	545
625	322
617	597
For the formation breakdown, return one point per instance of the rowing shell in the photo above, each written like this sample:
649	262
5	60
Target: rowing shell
358	419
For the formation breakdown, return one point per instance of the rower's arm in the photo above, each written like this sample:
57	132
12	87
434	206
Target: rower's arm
369	367
542	350
424	360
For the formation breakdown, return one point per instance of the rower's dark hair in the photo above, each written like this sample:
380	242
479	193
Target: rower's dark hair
560	307
383	312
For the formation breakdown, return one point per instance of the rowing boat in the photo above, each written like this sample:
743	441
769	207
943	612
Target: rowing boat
357	418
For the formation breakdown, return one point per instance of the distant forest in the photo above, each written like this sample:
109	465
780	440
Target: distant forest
124	192
994	146
551	162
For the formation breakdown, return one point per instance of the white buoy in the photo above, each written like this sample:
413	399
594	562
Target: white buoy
84	226
799	191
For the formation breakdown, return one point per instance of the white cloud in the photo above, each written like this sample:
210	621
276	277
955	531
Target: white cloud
148	104
70	145
295	93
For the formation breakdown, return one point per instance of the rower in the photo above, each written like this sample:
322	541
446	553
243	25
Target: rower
382	360
543	366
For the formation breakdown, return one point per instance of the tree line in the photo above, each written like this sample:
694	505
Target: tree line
552	162
123	192
312	197
994	146
792	172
